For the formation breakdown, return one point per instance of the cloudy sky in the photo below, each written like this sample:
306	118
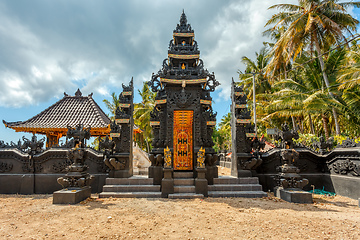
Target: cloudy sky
52	47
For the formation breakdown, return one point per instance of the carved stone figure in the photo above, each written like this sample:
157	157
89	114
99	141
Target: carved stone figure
32	146
288	176
167	158
201	158
286	136
323	146
77	177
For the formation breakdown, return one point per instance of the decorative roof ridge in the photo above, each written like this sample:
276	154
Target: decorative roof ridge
78	93
66	97
99	112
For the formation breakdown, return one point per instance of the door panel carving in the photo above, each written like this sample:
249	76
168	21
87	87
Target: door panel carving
183	140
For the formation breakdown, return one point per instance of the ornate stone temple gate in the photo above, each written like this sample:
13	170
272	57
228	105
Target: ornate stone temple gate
183	159
183	118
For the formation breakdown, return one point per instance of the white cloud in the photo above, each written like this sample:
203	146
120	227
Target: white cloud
237	31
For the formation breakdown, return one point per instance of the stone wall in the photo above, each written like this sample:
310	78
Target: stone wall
19	173
337	171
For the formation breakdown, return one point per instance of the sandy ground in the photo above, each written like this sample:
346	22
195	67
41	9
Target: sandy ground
35	217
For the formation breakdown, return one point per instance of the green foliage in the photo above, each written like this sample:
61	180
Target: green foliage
306	139
222	134
317	96
112	105
142	116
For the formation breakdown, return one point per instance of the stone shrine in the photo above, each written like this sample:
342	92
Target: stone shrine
183	119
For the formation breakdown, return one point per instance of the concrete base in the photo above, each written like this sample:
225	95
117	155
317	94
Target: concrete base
201	184
71	195
359	202
156	173
167	187
211	173
167	183
294	195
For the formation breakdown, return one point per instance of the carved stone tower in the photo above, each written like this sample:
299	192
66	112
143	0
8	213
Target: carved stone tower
242	134
182	119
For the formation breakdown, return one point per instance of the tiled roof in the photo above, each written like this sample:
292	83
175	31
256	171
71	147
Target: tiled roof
69	111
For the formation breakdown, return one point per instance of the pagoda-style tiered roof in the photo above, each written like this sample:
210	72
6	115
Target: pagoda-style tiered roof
69	111
183	65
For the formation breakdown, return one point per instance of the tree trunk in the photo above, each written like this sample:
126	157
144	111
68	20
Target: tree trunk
326	128
301	125
293	122
311	125
322	65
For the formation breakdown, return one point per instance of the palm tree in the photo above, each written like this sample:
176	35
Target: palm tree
280	65
349	76
142	112
113	105
262	85
313	24
305	95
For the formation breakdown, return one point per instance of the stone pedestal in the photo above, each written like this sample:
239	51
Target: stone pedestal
156	173
201	184
211	173
71	195
295	195
167	183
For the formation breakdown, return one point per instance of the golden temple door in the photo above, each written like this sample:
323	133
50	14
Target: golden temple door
183	140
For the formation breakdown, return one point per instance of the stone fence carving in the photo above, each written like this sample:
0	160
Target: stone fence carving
27	173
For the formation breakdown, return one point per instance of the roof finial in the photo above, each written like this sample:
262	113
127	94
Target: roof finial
183	20
78	93
183	26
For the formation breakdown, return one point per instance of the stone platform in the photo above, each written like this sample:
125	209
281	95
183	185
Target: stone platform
227	186
293	195
71	195
133	187
184	187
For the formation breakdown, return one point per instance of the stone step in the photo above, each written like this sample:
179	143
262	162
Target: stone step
184	189
184	181
185	196
235	187
129	181
244	194
183	175
233	180
130	195
131	188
